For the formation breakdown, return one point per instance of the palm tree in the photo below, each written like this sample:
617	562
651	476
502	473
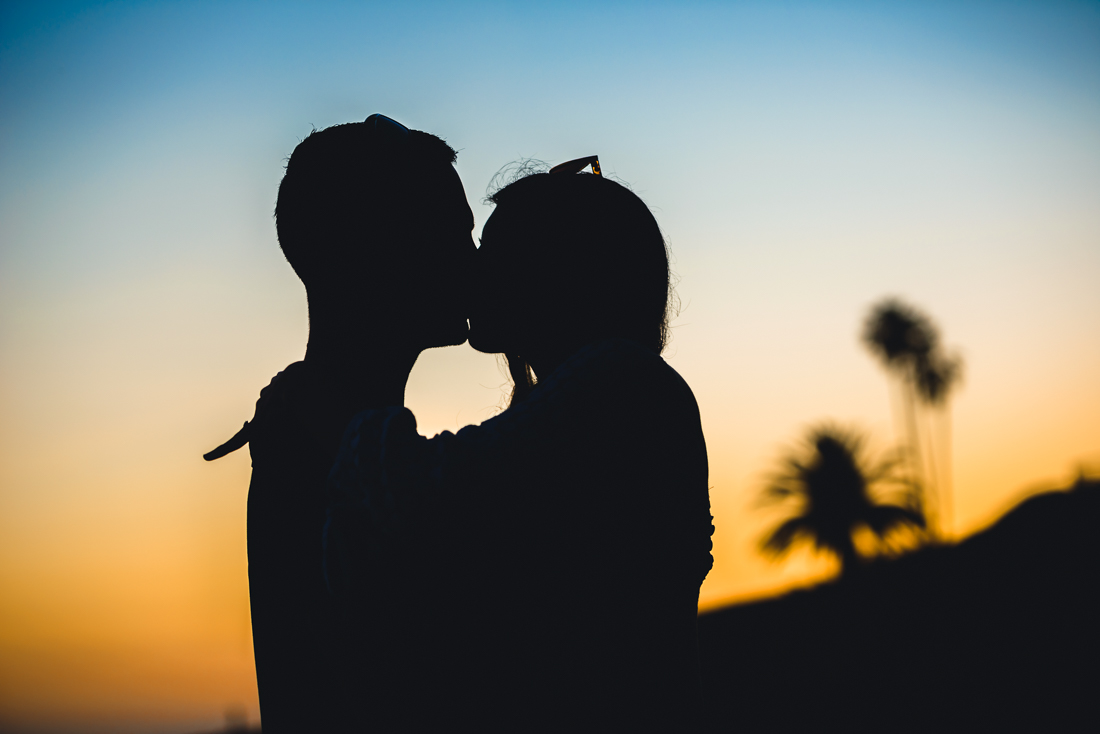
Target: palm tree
835	490
908	344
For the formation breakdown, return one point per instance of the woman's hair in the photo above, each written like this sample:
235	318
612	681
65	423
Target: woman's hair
596	258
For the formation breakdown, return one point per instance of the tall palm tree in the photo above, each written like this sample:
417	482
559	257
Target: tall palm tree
909	346
836	492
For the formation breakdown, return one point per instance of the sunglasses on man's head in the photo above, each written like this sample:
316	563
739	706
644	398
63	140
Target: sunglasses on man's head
576	166
386	125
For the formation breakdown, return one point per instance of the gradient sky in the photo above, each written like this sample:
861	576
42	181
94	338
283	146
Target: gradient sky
804	159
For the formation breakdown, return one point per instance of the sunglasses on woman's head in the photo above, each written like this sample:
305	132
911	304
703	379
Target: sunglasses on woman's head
576	166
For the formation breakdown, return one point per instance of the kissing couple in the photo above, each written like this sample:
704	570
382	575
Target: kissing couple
538	572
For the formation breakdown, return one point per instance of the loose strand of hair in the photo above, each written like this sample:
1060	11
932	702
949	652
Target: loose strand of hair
523	378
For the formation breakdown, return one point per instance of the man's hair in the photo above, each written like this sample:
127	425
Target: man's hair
347	192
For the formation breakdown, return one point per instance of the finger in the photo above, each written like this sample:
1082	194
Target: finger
240	438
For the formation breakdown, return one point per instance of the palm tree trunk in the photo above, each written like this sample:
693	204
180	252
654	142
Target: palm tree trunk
849	557
927	490
947	507
934	483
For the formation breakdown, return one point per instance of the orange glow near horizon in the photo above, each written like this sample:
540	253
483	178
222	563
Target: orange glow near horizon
142	612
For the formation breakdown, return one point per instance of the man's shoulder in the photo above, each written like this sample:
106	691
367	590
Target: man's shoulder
281	400
278	430
271	409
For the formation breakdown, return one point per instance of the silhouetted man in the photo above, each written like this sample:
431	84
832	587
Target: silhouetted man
374	220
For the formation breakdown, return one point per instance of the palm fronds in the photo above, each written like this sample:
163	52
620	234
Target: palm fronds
909	345
833	488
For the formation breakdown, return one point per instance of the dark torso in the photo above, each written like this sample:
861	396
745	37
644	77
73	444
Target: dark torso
615	547
315	671
293	622
557	562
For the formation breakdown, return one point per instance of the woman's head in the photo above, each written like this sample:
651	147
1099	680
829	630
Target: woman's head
565	260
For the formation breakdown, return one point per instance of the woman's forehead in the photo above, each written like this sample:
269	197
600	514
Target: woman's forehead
506	217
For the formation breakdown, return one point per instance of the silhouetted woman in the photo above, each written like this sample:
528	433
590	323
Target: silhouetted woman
562	543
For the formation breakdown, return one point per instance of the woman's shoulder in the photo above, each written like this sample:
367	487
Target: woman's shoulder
621	369
631	362
612	377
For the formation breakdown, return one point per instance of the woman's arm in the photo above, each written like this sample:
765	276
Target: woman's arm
387	477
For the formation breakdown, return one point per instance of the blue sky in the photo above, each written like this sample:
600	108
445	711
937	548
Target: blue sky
717	102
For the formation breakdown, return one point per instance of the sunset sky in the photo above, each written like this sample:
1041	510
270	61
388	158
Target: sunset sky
804	159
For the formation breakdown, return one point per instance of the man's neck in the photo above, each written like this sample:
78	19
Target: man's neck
368	370
350	370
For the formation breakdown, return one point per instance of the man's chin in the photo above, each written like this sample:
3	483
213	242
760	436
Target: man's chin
451	335
485	344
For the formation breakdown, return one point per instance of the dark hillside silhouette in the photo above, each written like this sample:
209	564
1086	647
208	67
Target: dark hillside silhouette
996	633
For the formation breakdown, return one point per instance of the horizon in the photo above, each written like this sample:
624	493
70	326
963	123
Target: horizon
804	161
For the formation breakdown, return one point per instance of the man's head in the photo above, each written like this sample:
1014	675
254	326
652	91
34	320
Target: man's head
374	220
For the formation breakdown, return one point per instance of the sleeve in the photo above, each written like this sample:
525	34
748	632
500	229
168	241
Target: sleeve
386	475
381	471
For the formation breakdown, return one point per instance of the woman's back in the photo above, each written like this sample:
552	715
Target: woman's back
569	538
618	540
